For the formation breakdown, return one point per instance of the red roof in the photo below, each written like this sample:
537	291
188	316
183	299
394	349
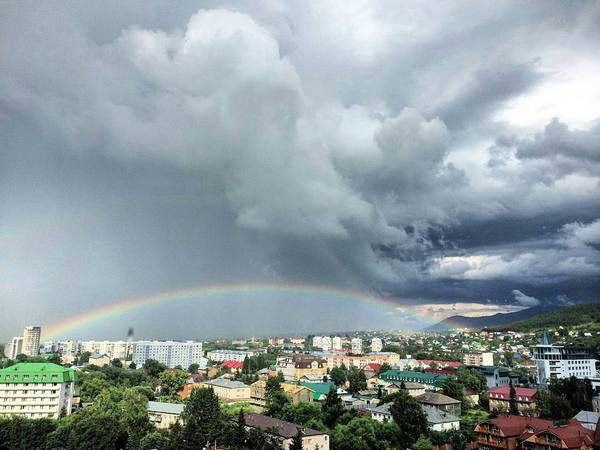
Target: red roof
373	366
427	362
517	425
524	395
573	434
232	364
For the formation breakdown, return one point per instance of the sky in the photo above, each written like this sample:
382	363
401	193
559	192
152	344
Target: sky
442	155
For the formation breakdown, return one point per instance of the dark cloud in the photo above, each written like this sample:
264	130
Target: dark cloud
148	147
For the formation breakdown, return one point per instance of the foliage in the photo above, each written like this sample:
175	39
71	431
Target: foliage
18	433
156	440
569	316
453	388
275	397
363	433
577	392
193	368
410	418
171	382
153	368
423	443
357	380
513	407
297	441
202	420
332	408
553	406
338	375
472	379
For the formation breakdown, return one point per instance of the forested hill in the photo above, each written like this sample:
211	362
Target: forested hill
586	313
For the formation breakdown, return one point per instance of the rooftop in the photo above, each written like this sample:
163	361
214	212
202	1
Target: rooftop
435	416
228	384
165	408
37	373
284	429
435	398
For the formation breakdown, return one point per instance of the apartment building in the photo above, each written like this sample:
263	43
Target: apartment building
336	343
14	348
169	353
356	344
525	398
122	350
478	359
229	390
31	340
557	361
295	367
376	344
36	390
220	356
360	361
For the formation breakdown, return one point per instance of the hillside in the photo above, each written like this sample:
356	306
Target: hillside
495	320
587	313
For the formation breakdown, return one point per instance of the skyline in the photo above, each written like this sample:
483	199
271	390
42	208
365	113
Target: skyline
433	156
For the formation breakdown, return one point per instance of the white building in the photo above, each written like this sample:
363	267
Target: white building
317	341
326	343
14	348
336	343
122	350
357	346
227	355
478	359
376	344
557	361
169	353
36	390
31	340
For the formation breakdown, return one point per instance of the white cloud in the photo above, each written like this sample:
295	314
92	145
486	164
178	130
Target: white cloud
524	299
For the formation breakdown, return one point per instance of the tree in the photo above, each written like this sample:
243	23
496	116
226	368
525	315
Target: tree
338	375
84	358
25	434
132	365
332	408
202	420
153	368
171	382
513	406
275	397
472	379
423	443
156	440
453	388
410	418
297	440
91	385
194	368
302	413
553	406
357	380
116	363
384	368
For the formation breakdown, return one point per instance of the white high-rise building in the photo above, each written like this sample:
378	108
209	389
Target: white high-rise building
376	344
336	343
317	341
122	350
31	340
14	348
326	344
169	353
557	361
357	346
227	355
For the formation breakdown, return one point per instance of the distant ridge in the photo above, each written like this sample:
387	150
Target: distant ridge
495	320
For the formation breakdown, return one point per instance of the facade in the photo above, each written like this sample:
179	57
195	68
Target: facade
36	390
296	393
557	361
31	340
122	350
286	431
360	361
169	353
295	367
336	343
431	381
504	432
326	343
441	421
570	436
227	355
596	403
439	401
478	359
14	348
376	345
164	415
497	376
525	397
357	346
229	390
317	341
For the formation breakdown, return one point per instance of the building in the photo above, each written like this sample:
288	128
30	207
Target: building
376	344
557	361
317	341
504	432
36	390
588	419
570	436
276	341
122	350
164	415
320	390
286	431
360	361
31	340
296	393
336	343
596	403
99	360
478	359
431	381
356	344
232	366
371	369
229	390
326	344
441	421
413	389
294	367
382	413
14	348
298	341
435	364
439	401
219	356
525	397
169	353
497	376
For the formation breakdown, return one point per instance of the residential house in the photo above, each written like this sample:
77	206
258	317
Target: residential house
441	421
570	436
525	397
440	401
431	381
371	370
294	367
320	390
229	390
164	415
381	413
506	432
296	393
232	366
414	389
286	431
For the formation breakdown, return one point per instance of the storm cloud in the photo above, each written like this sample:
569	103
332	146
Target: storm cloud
425	156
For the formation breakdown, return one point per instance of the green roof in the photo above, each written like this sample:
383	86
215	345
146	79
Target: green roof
416	377
37	373
319	388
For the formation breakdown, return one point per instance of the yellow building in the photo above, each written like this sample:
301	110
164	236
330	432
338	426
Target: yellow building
295	393
296	366
229	390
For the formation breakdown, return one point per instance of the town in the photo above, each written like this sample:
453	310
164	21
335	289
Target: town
459	389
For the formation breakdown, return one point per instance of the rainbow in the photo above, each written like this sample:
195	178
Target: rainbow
61	328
